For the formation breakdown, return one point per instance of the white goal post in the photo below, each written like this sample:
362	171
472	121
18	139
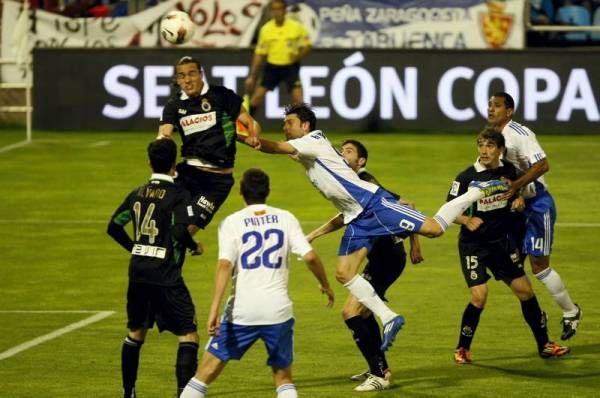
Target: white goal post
28	108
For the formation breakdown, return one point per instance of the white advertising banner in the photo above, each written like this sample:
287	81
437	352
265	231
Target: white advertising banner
219	23
414	24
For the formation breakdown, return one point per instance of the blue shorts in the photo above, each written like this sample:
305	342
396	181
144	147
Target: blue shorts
234	340
540	213
383	216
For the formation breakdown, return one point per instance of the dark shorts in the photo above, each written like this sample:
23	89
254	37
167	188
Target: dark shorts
501	257
208	190
387	260
274	74
171	307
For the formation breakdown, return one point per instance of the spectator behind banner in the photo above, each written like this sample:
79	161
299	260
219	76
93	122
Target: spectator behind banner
99	9
574	13
120	9
541	12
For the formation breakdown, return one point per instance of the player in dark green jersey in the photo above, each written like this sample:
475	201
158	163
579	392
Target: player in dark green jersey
160	213
209	120
488	240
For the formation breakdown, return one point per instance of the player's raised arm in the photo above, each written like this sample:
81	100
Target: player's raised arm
248	129
165	131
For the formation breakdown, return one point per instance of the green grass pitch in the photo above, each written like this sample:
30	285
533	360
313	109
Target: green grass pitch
59	191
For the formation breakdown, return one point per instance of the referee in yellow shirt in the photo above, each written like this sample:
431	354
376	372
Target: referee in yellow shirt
284	42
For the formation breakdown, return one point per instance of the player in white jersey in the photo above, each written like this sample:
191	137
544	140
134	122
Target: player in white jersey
255	244
367	210
524	151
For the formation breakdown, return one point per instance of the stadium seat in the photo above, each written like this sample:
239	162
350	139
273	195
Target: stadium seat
577	16
120	9
596	35
540	9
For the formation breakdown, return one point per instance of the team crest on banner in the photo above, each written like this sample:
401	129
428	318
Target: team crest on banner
496	25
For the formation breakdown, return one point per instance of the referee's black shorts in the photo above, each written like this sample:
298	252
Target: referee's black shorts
275	74
171	307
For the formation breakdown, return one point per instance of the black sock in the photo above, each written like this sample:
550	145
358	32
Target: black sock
375	334
130	359
368	344
187	362
469	323
536	321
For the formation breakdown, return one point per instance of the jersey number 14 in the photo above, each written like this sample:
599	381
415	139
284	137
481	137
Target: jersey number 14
148	225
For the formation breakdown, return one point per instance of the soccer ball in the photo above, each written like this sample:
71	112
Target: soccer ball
177	27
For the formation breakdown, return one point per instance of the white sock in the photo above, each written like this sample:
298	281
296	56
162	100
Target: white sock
450	210
364	292
557	289
287	391
194	389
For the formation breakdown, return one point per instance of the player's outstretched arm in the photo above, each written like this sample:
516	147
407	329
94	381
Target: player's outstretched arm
276	147
315	265
518	204
334	224
221	279
248	129
536	170
165	131
471	223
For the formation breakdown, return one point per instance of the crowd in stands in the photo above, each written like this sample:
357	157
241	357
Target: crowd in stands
566	13
91	8
541	12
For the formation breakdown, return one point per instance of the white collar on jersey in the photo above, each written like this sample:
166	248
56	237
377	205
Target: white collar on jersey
205	87
479	167
257	207
361	170
162	177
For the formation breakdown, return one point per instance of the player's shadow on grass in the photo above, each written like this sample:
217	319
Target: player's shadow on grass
304	385
575	368
586	368
528	365
342	379
301	384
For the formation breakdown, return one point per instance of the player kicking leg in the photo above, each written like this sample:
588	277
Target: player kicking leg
390	216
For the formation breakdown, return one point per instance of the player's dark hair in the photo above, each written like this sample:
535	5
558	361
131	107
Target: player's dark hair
361	150
491	134
254	186
509	102
162	154
189	60
304	112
